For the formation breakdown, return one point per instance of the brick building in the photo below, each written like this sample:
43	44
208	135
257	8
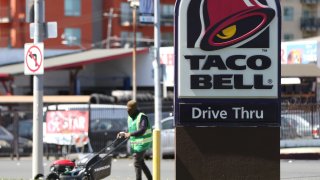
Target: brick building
12	23
83	24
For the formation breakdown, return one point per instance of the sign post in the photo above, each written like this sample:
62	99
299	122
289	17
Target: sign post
227	94
34	60
37	148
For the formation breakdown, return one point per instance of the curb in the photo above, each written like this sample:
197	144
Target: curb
300	153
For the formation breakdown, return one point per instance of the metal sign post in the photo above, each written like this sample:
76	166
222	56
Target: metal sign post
34	65
37	151
157	94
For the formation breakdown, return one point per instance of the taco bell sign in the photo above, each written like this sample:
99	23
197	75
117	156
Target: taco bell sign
227	62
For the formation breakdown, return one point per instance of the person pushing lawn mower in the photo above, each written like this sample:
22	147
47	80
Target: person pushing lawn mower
93	166
140	134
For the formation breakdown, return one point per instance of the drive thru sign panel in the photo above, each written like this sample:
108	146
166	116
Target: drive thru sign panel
227	62
33	59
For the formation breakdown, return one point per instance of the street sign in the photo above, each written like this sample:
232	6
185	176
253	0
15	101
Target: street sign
50	30
146	11
33	59
227	62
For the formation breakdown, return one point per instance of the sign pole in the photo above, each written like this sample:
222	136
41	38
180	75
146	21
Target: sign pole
157	94
134	53
37	151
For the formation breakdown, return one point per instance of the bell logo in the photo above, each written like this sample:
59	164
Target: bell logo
217	24
227	52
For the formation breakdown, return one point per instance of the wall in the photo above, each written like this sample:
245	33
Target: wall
292	27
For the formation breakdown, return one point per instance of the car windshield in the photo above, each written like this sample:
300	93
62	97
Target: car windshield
98	125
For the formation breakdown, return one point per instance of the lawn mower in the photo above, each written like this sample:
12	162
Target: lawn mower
93	166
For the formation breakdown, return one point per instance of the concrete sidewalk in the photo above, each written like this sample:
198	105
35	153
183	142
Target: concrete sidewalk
300	149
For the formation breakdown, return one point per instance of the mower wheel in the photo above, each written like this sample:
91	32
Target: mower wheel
85	178
52	176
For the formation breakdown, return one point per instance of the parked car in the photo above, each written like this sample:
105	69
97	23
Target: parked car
163	115
7	143
316	132
25	128
168	136
104	131
105	122
294	126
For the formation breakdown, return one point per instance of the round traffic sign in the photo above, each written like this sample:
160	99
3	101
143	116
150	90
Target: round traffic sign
33	58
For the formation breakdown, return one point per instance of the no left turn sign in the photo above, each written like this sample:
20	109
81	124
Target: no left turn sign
33	59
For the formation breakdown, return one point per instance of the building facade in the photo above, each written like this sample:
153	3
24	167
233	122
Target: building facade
101	23
83	24
300	19
12	23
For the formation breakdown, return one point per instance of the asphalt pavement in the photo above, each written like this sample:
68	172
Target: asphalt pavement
121	168
299	159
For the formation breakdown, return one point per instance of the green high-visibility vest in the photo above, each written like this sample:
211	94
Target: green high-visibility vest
139	143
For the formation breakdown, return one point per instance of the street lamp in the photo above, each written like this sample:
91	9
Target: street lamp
134	4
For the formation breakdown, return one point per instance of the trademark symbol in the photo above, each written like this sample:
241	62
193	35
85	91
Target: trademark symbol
264	50
270	81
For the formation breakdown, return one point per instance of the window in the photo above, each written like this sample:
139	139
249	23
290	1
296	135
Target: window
306	13
288	13
288	37
127	39
167	12
167	39
72	7
72	36
126	14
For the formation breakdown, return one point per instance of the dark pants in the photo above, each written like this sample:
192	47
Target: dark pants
139	165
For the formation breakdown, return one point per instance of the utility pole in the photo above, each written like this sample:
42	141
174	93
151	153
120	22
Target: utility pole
110	16
134	4
37	151
157	94
134	54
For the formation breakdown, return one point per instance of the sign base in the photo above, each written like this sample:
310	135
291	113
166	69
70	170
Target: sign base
227	153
